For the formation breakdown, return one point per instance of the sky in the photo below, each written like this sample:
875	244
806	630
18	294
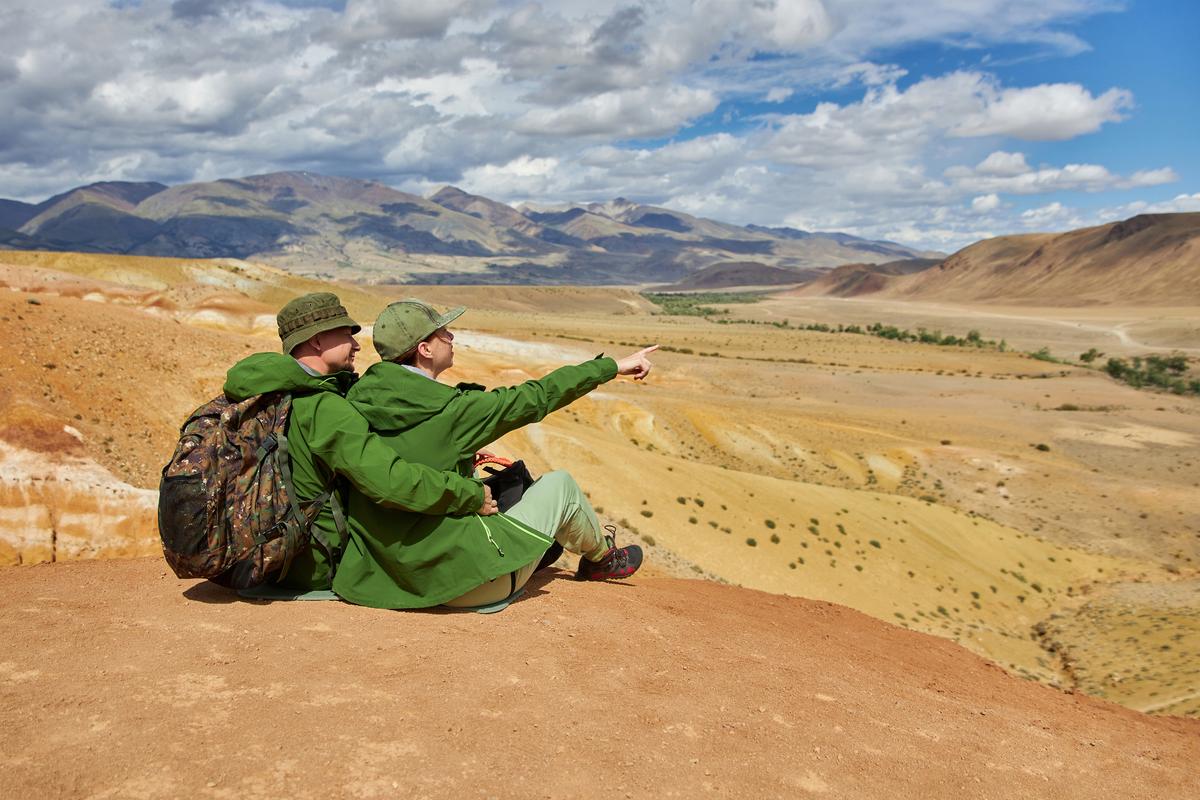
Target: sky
934	123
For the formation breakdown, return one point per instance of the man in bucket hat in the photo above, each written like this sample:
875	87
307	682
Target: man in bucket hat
411	560
328	439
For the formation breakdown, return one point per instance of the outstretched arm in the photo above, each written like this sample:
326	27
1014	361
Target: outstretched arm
340	437
483	417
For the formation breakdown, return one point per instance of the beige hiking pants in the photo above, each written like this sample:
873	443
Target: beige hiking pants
553	503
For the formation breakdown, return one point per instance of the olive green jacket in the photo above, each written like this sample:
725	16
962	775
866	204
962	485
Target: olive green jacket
397	559
327	437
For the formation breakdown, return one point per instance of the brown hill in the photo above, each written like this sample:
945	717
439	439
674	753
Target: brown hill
121	681
852	280
743	273
1149	259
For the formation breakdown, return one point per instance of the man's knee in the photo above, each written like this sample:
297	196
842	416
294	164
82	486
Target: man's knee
559	479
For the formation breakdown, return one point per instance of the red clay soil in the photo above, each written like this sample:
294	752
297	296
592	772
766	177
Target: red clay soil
118	680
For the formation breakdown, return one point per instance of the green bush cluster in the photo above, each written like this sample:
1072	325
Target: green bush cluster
693	305
972	339
1163	372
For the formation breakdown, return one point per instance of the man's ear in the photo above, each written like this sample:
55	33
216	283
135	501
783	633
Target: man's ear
424	349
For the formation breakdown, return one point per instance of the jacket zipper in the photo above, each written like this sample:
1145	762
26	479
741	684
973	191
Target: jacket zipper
488	532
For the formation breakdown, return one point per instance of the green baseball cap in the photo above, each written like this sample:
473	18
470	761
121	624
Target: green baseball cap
405	324
310	314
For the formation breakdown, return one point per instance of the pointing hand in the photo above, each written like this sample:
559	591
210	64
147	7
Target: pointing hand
637	365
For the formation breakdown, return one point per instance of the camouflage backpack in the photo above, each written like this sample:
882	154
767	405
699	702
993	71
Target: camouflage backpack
227	510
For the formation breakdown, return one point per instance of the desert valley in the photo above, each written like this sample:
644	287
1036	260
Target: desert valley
1008	495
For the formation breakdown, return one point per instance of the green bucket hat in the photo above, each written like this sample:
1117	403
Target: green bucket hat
405	324
310	314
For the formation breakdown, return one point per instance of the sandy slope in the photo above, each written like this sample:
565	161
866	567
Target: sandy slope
1149	259
895	478
118	680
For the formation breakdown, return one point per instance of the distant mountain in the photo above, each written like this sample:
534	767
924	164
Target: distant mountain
14	214
853	280
351	229
728	274
1150	259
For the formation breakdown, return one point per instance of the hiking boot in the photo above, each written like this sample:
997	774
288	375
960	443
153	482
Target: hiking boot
618	562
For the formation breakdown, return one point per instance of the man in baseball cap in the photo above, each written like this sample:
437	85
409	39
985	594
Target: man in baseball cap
327	439
412	331
405	560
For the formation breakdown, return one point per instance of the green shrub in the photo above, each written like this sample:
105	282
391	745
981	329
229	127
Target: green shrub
752	542
1043	354
1161	372
875	543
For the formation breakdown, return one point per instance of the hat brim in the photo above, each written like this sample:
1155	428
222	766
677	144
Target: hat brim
449	316
302	335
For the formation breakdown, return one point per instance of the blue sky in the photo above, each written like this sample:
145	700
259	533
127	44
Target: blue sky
933	123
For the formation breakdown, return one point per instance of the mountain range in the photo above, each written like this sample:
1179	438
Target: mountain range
332	227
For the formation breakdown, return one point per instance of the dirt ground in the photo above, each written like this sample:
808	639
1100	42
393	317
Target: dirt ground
118	680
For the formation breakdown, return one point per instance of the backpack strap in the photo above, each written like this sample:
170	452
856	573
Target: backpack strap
284	459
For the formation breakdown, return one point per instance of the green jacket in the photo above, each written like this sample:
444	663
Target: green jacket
398	559
327	436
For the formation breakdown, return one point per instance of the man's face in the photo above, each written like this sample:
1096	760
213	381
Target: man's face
338	348
441	349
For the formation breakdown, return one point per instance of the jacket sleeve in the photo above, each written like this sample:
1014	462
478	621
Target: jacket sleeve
340	437
483	417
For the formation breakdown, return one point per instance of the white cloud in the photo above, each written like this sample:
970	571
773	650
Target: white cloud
791	24
778	94
985	203
648	111
1047	112
365	21
1179	204
523	176
1003	164
1009	173
1052	216
899	123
